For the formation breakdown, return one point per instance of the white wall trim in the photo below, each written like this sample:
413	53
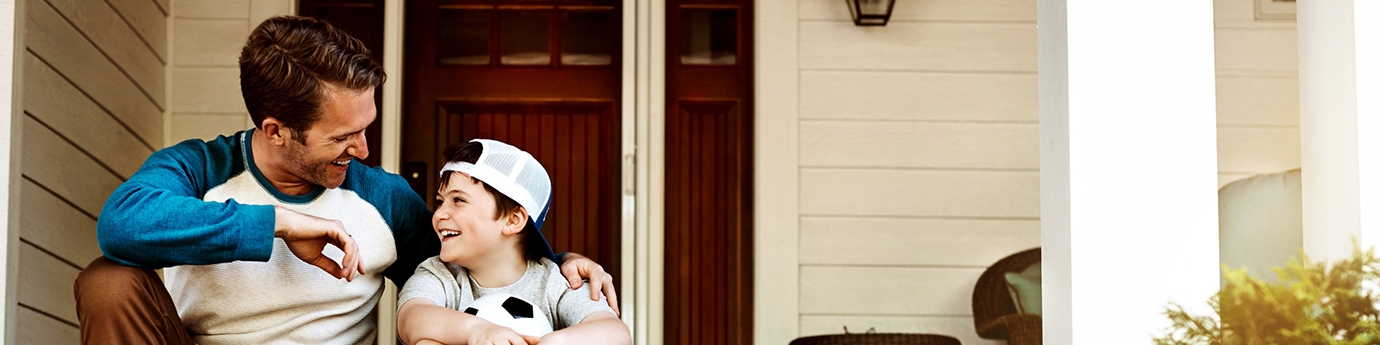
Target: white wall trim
630	234
391	145
650	103
391	142
12	41
776	180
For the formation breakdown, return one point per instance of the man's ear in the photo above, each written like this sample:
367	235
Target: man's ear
274	130
515	221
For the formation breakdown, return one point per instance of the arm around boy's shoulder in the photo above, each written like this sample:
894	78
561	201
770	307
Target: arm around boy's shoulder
570	305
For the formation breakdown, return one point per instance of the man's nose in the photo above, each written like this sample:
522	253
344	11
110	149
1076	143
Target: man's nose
359	147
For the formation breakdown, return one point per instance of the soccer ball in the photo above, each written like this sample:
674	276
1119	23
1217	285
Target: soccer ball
511	311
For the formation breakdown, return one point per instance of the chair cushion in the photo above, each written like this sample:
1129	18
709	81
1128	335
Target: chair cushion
1025	289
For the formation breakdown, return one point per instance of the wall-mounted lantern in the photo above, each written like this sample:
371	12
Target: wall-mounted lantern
870	12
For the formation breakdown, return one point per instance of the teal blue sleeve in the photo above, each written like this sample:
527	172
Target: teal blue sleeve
158	219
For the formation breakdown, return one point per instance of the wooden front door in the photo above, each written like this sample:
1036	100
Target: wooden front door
542	75
708	172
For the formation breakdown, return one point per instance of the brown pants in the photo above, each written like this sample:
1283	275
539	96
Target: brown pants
118	304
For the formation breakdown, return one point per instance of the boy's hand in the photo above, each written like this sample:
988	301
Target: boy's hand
491	334
577	267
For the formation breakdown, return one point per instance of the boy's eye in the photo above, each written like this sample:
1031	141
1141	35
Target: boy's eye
457	200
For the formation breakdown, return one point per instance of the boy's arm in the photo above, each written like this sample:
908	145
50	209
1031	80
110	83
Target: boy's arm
420	320
601	327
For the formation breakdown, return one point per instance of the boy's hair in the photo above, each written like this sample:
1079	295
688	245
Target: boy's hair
469	152
290	63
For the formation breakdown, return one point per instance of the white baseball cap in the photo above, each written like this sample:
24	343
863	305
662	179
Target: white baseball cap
517	175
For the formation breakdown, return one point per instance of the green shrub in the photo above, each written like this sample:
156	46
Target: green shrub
1310	304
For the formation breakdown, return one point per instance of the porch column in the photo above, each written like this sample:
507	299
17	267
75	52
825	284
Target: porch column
1339	131
1128	166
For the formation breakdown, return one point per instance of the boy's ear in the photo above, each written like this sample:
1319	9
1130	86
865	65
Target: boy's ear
515	221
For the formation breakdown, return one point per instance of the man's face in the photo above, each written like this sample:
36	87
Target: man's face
337	137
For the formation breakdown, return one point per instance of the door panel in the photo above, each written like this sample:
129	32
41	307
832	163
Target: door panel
458	87
708	172
708	240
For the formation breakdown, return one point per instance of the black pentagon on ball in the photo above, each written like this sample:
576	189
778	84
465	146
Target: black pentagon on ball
518	308
471	311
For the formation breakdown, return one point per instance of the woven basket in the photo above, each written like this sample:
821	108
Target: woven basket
877	339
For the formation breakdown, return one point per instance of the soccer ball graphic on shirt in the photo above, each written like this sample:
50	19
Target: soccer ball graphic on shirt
511	311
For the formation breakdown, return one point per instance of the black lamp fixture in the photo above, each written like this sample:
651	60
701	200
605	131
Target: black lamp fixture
870	12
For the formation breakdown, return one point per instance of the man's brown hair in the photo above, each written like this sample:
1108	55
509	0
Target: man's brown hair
291	62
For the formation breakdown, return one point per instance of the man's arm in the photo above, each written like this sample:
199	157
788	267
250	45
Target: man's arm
157	218
576	267
601	327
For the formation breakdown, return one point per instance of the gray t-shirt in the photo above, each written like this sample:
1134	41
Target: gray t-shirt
450	286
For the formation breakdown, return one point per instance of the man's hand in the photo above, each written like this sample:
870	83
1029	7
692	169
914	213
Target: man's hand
577	267
306	236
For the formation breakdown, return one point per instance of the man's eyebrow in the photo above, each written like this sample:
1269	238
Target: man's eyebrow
346	135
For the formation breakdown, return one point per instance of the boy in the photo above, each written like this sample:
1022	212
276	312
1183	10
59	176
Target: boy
492	200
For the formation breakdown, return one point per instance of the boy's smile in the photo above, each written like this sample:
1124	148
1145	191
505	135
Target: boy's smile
464	219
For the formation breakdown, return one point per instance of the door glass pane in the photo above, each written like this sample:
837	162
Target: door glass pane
586	38
463	38
709	36
526	37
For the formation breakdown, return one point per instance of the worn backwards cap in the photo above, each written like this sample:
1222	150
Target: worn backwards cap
517	175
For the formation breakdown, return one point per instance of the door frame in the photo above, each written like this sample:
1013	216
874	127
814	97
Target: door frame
643	90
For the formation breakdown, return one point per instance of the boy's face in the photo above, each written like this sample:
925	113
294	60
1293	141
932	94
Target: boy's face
464	219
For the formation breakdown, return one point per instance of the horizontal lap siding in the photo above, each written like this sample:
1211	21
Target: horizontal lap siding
94	76
919	155
1257	93
209	34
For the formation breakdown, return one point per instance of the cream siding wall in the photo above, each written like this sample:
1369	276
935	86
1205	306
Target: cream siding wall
919	151
919	160
94	81
207	38
1257	92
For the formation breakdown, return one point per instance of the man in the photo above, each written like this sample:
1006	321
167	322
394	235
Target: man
243	222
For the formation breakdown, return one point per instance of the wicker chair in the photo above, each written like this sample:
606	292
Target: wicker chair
877	339
994	314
